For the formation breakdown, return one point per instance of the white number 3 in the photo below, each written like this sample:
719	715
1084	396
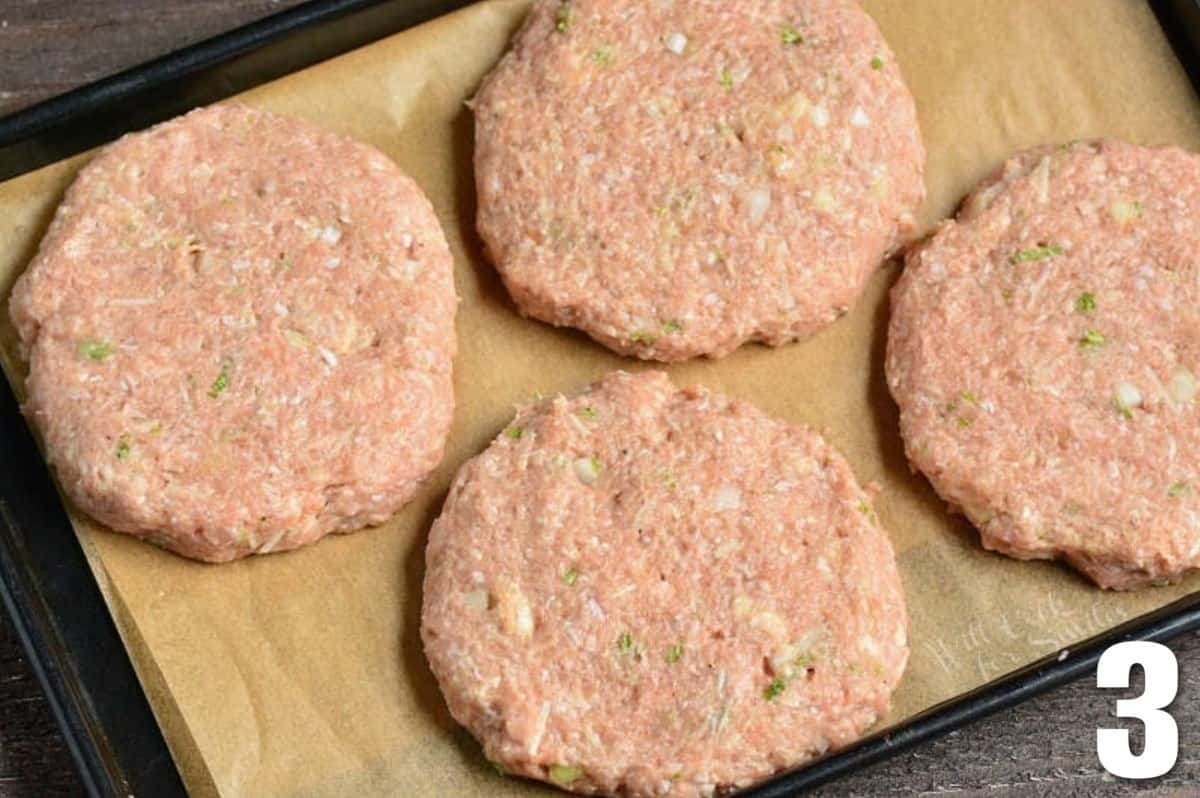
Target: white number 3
1162	735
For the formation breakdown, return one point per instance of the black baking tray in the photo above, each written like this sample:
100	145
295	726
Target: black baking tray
46	585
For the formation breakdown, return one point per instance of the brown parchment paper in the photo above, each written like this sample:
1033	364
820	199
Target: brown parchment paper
301	674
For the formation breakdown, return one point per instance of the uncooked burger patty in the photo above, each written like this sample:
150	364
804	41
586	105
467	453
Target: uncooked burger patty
678	178
1043	350
239	330
644	590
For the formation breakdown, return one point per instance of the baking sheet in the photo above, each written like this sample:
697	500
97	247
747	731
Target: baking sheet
301	674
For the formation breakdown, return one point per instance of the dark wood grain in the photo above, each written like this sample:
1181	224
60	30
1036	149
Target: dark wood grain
1046	747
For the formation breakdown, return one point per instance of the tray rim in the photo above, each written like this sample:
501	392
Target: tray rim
54	602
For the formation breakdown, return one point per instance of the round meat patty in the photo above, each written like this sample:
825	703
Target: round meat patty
676	179
239	330
1043	351
648	591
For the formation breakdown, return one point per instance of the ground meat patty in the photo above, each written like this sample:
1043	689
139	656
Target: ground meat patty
647	591
678	178
239	330
1043	349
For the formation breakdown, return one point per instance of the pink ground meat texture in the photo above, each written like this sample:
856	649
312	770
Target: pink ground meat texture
649	591
678	178
239	330
1043	350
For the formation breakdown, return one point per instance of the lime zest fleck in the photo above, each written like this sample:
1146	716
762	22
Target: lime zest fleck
672	325
726	78
877	63
122	450
1125	410
1091	339
570	576
963	423
587	412
94	349
789	35
969	398
515	432
1178	489
717	255
642	337
675	653
221	382
602	55
565	774
1034	253
626	645
1086	302
562	17
775	688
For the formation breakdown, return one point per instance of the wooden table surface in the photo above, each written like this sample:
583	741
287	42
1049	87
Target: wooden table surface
1045	747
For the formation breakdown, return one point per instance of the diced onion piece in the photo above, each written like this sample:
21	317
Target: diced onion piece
476	599
727	498
1127	396
757	202
1183	385
1125	211
587	469
676	43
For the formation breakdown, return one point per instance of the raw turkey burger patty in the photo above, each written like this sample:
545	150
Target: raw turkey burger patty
676	179
1043	351
643	590
239	330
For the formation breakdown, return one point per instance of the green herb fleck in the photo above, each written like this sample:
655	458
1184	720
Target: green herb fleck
1086	302
565	774
775	688
963	423
662	211
95	350
969	398
877	63
1178	489
726	78
1091	340
562	17
515	432
668	479
878	668
602	55
642	337
570	576
220	383
675	654
672	325
1125	410
1035	253
625	643
790	35
588	413
717	255
122	451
